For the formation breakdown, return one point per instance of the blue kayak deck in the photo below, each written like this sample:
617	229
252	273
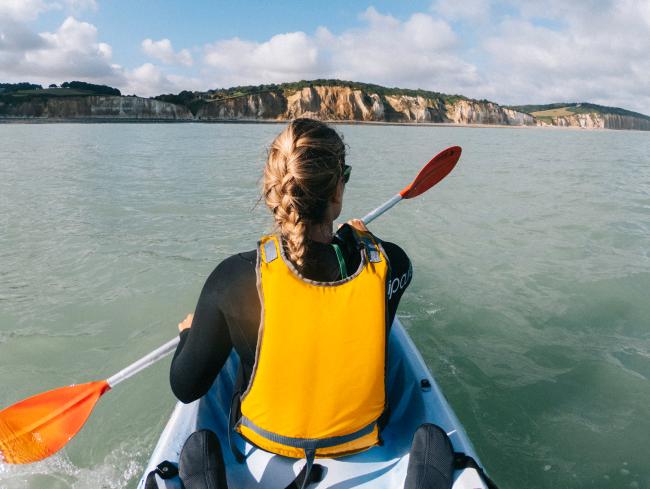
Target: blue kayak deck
380	467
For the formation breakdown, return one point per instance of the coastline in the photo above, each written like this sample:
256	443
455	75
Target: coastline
117	120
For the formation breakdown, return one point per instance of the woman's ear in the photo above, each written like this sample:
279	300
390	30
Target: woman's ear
337	198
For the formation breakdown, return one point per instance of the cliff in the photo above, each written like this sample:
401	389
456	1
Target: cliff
340	103
587	116
93	108
600	121
332	100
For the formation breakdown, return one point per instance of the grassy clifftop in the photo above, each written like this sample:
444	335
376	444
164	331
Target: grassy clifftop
194	100
548	111
12	94
299	85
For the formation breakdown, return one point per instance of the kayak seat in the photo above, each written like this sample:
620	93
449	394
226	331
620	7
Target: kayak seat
431	461
201	463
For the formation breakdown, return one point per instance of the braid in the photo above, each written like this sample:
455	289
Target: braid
295	232
301	173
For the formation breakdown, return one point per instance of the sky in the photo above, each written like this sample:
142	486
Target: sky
507	51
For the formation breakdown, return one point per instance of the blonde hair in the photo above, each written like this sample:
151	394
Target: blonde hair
303	168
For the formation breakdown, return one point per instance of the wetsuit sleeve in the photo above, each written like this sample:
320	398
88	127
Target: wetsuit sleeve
401	275
204	348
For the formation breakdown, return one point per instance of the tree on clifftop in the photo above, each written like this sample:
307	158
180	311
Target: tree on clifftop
91	87
14	87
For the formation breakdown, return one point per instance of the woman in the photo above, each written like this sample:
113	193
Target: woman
307	312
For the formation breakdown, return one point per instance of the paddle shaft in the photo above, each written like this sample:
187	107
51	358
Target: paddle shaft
143	363
372	215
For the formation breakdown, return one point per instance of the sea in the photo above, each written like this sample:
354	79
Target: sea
530	299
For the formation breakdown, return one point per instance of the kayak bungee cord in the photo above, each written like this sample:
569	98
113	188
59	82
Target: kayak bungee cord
39	426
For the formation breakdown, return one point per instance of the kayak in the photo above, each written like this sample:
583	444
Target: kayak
413	396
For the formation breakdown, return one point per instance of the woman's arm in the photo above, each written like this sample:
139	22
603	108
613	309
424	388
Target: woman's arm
401	275
203	348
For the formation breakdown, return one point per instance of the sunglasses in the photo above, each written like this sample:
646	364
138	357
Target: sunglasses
347	169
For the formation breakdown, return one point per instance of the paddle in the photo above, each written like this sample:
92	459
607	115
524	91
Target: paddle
430	174
39	426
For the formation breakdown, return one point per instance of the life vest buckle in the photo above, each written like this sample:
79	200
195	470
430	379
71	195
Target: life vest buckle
270	251
373	255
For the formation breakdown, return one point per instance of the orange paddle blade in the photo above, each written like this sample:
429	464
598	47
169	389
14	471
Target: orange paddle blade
39	426
434	171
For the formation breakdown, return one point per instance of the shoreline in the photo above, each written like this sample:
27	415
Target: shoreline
118	120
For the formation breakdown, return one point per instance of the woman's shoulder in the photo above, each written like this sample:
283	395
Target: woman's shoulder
243	259
400	263
394	252
233	269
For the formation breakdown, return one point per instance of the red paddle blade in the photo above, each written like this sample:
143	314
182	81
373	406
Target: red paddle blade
39	426
434	171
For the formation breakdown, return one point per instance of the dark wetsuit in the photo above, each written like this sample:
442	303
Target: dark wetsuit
228	312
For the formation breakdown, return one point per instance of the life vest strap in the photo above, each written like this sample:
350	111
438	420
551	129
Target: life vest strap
270	251
308	444
339	256
235	414
310	473
366	240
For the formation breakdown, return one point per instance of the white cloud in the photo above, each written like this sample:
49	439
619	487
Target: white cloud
598	55
19	42
145	78
73	51
162	50
22	10
16	37
283	57
418	52
149	80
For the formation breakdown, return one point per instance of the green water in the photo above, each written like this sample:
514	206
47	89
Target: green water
529	300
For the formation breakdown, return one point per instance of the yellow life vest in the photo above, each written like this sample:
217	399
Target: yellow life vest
318	385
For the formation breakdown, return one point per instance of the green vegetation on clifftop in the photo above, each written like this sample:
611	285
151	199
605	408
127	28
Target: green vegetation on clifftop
548	111
17	93
193	100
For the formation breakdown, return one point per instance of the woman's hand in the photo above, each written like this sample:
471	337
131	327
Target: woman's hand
186	323
358	224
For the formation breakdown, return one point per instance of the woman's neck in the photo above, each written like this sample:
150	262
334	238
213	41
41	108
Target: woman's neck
321	233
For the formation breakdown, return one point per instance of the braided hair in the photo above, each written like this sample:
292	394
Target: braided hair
303	169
